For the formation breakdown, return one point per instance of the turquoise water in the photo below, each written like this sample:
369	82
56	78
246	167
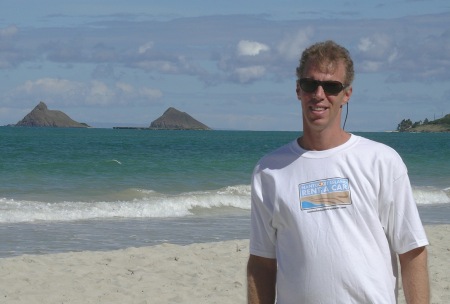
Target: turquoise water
97	179
67	174
95	163
427	156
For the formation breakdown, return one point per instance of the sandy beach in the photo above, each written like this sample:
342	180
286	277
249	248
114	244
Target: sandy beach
198	273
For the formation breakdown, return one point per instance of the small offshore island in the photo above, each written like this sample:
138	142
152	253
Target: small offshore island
172	119
41	116
438	125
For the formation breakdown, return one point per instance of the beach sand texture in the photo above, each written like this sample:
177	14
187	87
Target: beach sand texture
198	273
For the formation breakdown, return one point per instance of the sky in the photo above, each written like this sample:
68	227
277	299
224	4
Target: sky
229	64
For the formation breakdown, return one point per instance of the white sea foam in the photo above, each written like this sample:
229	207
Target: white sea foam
431	195
150	204
142	203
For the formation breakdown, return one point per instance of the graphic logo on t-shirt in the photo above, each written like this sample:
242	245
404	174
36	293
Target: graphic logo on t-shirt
325	193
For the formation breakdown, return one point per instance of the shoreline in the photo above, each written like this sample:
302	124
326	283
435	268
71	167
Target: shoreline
165	273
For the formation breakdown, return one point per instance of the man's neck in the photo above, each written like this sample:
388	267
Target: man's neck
319	141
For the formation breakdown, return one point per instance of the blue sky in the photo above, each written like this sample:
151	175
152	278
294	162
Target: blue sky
230	64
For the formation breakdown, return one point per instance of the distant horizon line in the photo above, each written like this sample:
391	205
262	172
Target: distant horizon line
137	127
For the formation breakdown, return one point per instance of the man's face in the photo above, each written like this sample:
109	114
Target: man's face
322	110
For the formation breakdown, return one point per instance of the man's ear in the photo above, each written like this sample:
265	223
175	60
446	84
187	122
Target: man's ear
347	94
297	89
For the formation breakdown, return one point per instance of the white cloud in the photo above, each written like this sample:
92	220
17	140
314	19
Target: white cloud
162	66
393	56
291	47
8	31
207	50
377	46
205	54
125	87
365	44
99	94
371	66
50	86
143	92
63	91
248	74
144	48
250	48
150	93
377	52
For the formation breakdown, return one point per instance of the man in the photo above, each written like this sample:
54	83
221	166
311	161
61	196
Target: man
331	210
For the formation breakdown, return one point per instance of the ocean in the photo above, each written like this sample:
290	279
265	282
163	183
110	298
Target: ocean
103	189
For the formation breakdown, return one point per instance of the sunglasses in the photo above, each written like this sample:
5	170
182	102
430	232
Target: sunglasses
309	85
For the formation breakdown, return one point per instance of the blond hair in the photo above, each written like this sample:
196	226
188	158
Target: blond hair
327	54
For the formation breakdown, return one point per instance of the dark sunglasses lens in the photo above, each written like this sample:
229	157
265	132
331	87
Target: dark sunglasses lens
308	85
332	87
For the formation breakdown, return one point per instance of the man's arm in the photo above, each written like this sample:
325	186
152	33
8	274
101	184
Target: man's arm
261	280
415	280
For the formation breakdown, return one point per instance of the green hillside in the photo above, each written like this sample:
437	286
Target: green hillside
438	125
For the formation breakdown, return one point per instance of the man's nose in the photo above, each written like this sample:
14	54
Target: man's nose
319	92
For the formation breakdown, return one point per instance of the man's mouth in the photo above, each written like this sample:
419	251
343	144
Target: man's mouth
318	108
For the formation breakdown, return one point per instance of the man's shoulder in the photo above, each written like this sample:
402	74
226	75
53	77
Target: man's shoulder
366	147
372	144
280	156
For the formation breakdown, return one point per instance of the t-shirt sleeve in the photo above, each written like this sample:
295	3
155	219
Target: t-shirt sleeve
263	234
402	221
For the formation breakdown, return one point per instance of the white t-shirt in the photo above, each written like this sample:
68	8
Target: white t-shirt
334	220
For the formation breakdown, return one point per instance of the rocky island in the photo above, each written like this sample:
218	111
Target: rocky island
437	125
41	116
172	119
